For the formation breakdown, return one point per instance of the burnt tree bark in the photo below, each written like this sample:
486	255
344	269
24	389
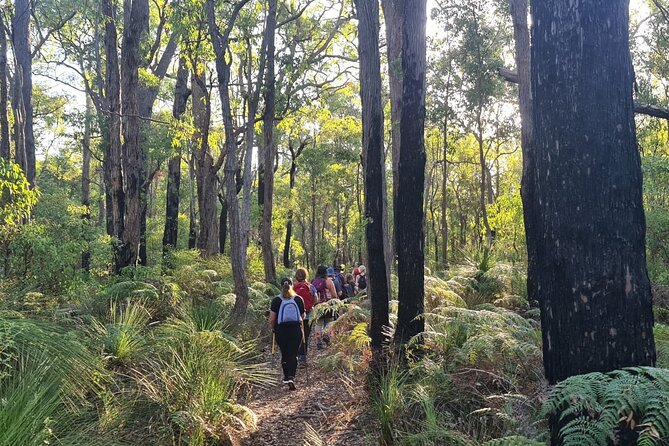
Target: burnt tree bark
411	170
23	90
221	42
111	128
136	24
294	155
171	232
4	97
269	149
588	227
372	141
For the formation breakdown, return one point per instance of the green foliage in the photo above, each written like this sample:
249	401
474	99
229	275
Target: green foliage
17	199
623	406
123	337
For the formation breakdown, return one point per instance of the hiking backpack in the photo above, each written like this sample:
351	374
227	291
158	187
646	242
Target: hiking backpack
362	282
321	287
289	311
303	289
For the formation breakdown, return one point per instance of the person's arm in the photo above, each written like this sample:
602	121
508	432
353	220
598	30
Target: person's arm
272	319
273	310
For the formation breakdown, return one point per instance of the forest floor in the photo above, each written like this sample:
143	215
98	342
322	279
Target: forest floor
329	403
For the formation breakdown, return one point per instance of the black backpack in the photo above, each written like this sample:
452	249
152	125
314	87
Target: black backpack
362	282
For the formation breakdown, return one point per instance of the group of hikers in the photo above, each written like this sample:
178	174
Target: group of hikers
291	312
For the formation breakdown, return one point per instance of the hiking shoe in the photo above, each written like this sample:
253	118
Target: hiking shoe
326	339
319	345
291	384
302	359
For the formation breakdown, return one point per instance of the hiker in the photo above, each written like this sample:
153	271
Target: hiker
349	287
309	295
361	281
339	278
286	317
338	284
326	291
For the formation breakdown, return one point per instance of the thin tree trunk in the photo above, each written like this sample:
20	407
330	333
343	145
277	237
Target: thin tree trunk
444	200
23	89
192	216
112	128
223	224
136	23
289	220
86	180
171	232
372	119
483	187
205	170
269	149
4	120
237	247
409	206
588	226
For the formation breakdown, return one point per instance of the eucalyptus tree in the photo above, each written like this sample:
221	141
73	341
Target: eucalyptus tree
4	94
374	162
408	208
586	206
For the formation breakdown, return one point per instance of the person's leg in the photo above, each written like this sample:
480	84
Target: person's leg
304	346
294	339
283	341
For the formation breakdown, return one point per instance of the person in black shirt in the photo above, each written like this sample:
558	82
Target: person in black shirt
285	317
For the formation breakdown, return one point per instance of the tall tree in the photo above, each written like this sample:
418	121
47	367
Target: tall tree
374	156
171	232
295	153
111	128
221	43
4	96
206	167
86	179
408	208
588	226
269	148
136	24
23	90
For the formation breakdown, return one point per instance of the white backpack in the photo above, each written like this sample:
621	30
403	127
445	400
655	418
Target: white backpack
289	311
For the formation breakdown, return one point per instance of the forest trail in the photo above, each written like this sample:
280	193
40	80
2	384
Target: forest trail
331	403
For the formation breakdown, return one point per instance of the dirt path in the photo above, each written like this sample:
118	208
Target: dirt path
330	403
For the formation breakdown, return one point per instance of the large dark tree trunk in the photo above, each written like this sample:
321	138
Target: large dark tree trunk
113	172
171	232
588	228
372	137
4	97
237	246
409	205
192	214
223	224
205	169
269	149
136	23
23	90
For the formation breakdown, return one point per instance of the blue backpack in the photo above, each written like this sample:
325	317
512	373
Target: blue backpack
289	312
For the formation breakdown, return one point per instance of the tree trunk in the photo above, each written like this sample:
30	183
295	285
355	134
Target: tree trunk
588	226
409	205
269	149
372	120
223	224
192	216
86	182
136	23
289	220
171	232
393	14
237	247
23	90
4	120
112	129
444	200
205	170
483	187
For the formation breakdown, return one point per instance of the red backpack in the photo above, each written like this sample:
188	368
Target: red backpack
303	289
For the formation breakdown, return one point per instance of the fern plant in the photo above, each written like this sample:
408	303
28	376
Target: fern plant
629	406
